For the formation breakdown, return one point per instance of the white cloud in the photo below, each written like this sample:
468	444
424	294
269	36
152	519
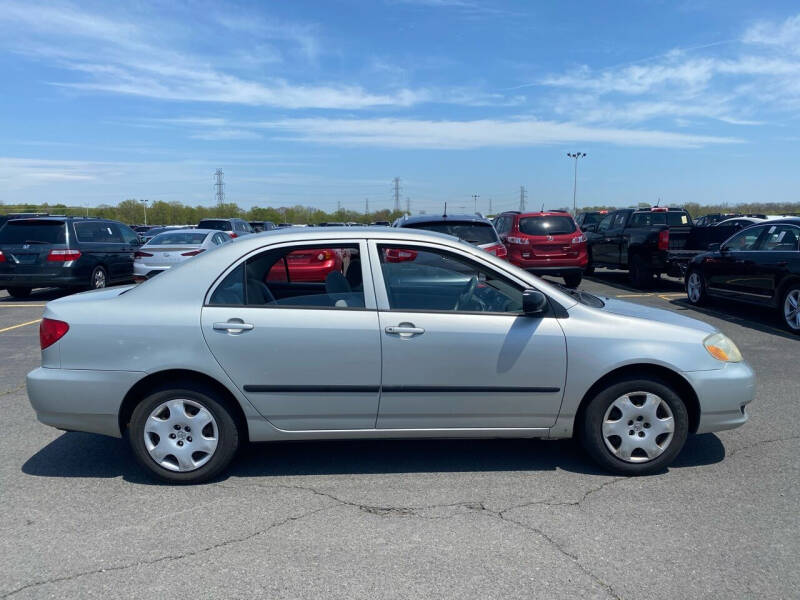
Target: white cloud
226	134
785	35
412	133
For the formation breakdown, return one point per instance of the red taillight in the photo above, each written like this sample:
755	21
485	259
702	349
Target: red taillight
232	234
2	256
395	255
193	252
140	254
498	250
50	331
663	239
63	255
324	255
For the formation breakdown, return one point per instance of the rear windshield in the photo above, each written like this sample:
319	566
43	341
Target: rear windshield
213	224
671	219
473	232
178	239
546	225
21	232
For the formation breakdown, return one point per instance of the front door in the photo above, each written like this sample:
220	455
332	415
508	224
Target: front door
457	351
307	358
731	271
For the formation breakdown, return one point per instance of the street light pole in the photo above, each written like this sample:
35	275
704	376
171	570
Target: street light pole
576	156
144	203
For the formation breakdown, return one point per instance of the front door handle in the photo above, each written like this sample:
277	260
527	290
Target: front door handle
234	325
404	330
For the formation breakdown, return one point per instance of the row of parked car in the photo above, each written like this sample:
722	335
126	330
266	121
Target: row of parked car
756	262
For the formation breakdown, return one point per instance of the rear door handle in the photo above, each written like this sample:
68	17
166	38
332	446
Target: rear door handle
232	325
404	330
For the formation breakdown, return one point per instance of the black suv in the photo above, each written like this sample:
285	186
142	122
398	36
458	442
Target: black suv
233	227
65	252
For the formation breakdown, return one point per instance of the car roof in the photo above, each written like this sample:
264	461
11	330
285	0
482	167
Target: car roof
545	213
190	230
417	219
784	220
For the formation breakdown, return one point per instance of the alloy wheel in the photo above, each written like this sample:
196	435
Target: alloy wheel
181	435
638	427
791	309
694	287
99	279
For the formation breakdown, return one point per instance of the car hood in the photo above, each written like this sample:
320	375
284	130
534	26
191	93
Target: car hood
630	309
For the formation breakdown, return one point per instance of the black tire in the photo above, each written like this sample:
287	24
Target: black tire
792	291
641	276
19	292
701	297
589	269
573	280
98	279
590	429
227	432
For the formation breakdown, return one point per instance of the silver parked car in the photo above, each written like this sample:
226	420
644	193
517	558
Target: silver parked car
412	334
172	247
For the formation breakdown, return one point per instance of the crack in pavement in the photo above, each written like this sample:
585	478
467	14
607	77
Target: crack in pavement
11	391
168	557
758	443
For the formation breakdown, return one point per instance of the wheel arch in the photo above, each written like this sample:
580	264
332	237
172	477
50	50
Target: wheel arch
784	285
175	377
679	383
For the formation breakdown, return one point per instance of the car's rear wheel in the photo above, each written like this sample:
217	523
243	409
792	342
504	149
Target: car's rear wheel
572	280
183	434
696	288
98	279
19	292
790	308
635	426
640	274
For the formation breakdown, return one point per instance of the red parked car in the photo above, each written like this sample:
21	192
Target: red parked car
311	266
545	243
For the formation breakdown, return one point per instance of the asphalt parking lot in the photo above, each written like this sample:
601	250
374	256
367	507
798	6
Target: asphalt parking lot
410	519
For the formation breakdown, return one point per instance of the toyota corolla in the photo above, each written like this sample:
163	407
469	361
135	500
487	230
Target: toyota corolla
448	341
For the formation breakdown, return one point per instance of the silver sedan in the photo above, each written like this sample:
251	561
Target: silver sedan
416	335
167	249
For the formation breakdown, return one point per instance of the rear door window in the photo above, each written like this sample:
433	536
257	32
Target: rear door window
780	238
34	232
215	224
555	225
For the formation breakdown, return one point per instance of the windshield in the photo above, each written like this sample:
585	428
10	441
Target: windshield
473	232
178	239
546	225
214	224
46	232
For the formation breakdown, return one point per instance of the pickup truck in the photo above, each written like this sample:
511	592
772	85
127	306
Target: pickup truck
650	241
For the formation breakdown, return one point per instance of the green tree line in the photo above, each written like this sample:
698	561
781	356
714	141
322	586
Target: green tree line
176	213
131	211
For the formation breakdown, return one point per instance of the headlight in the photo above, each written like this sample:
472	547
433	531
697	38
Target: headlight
721	347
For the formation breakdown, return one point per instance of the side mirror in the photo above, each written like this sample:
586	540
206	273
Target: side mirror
534	302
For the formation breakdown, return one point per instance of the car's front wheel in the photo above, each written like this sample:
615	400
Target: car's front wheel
572	280
696	288
183	434
98	279
635	426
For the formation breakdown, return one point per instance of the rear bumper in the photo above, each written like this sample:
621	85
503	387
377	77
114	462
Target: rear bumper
147	271
34	280
570	270
723	395
80	400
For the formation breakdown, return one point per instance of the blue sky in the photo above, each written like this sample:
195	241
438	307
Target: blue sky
322	102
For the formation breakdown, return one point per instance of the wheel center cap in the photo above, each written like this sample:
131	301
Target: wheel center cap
181	435
637	426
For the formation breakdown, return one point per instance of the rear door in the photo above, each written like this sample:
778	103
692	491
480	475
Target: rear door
26	244
307	361
457	352
733	272
777	254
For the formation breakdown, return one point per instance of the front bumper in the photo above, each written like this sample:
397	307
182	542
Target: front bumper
80	400
723	394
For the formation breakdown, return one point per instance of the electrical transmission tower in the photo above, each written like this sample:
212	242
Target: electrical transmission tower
475	202
220	185
396	181
366	206
408	206
523	193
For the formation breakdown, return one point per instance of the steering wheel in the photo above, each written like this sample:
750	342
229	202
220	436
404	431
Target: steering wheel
467	293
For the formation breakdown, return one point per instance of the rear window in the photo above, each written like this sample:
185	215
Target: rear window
214	224
21	232
546	225
178	239
591	218
473	232
671	219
